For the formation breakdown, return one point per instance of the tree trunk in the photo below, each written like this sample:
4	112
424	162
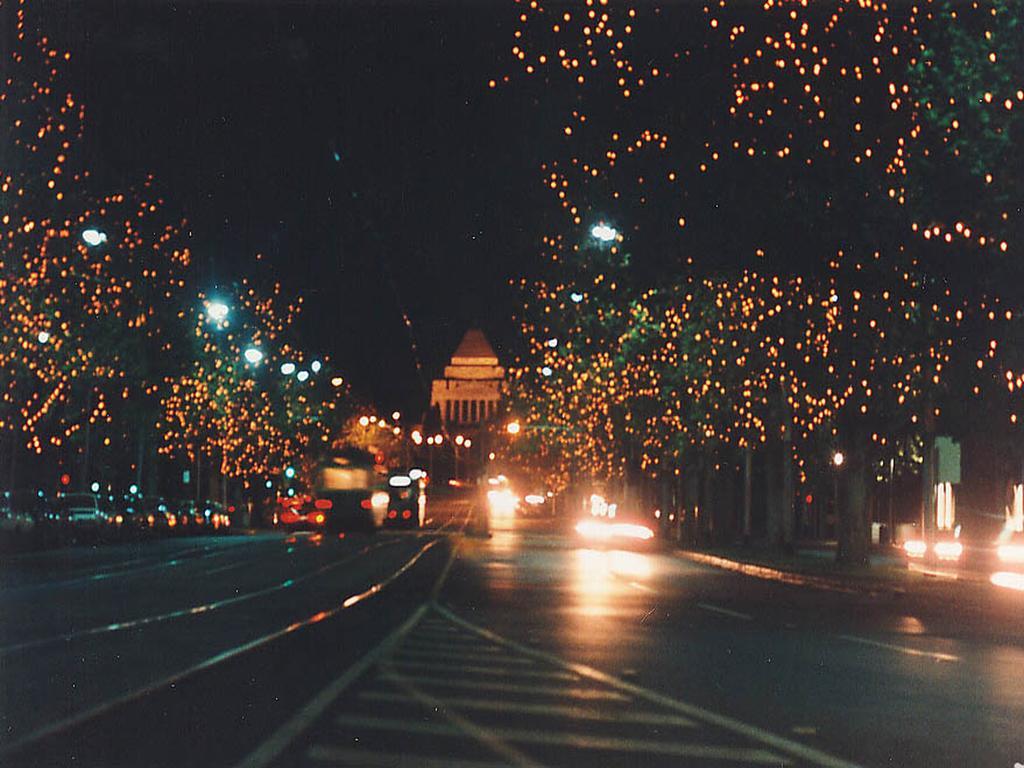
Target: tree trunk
748	462
928	483
854	538
773	496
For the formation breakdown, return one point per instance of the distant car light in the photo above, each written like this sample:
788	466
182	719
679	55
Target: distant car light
915	548
1011	553
379	499
399	481
632	531
502	502
535	499
415	473
1008	580
323	504
949	550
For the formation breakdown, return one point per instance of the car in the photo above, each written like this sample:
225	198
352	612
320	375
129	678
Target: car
82	513
215	518
404	508
158	515
189	516
303	513
609	525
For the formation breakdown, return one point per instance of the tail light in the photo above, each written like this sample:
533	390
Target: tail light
323	504
366	504
406	514
392	514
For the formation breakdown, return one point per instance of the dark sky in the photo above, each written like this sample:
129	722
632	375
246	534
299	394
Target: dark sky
356	145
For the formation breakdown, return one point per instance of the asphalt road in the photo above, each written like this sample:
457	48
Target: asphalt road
287	651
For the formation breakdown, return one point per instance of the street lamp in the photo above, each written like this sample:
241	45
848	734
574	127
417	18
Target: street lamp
94	237
838	458
44	336
217	311
603	233
287	369
315	366
459	439
513	428
302	375
253	355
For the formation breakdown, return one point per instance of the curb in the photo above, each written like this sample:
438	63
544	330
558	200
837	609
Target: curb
789	577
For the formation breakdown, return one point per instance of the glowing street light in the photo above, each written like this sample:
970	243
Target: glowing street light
253	355
603	232
217	311
44	336
396	415
315	366
302	375
287	369
838	458
513	428
94	237
337	381
459	439
417	437
438	439
364	421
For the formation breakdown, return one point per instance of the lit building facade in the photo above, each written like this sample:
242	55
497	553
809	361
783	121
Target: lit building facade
470	391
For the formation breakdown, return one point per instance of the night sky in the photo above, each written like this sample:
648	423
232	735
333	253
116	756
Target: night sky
356	146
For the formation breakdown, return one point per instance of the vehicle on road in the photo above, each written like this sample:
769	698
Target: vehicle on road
303	513
158	515
605	524
215	517
352	482
82	513
406	502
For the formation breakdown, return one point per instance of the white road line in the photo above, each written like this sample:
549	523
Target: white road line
936	655
278	742
572	740
444	645
780	743
725	611
469	669
490	685
413	654
358	758
569	711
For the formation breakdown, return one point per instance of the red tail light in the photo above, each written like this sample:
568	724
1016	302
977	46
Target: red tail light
392	514
323	504
365	504
406	514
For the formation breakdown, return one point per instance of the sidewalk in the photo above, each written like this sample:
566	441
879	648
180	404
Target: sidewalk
815	566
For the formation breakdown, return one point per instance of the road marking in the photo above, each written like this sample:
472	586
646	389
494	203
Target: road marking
725	611
323	753
537	674
489	685
779	743
573	740
449	644
56	727
937	655
569	711
445	656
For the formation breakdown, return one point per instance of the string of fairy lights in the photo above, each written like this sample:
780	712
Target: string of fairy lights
106	341
862	109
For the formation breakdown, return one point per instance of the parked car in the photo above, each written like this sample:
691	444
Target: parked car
82	513
159	516
215	517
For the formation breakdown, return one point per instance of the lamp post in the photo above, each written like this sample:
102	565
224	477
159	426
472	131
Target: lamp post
838	458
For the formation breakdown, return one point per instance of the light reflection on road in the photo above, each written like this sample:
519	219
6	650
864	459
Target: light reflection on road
601	578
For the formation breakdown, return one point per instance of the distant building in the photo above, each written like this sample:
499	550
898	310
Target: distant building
470	391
